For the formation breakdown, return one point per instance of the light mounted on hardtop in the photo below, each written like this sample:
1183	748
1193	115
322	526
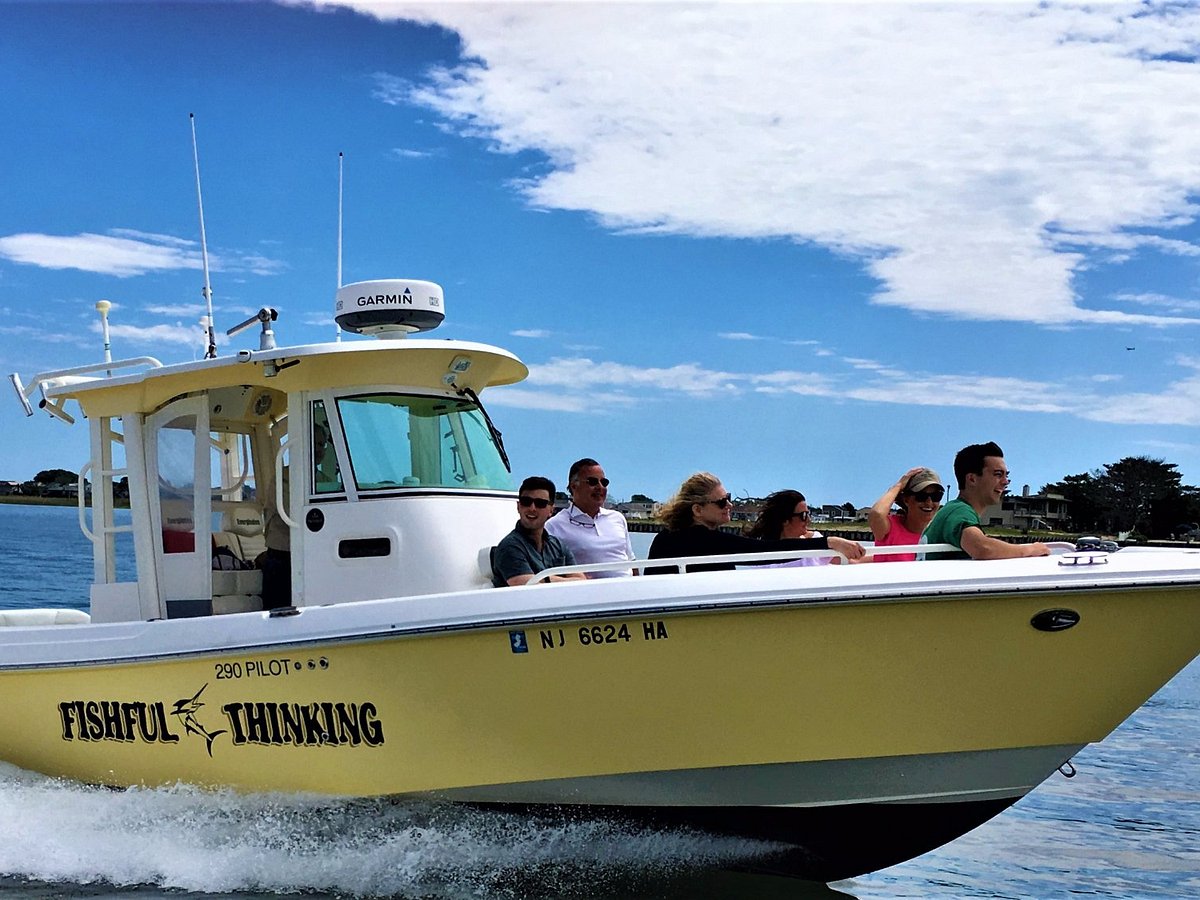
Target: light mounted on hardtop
390	308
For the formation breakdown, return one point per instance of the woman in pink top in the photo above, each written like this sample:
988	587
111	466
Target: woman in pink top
918	493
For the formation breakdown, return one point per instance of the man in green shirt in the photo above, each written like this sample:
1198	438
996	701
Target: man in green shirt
982	479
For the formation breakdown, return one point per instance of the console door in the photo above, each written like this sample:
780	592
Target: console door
178	451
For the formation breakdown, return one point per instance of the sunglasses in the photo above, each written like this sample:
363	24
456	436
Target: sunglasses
539	502
935	496
593	481
581	522
802	516
721	502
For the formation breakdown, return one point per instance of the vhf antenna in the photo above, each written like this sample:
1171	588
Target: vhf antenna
102	307
339	272
211	353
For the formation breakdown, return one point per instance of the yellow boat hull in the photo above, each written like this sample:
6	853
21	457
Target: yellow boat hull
739	687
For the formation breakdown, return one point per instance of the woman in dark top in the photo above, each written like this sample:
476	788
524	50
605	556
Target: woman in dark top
785	514
693	518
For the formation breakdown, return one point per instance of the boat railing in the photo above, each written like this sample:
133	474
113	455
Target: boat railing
681	563
81	499
57	378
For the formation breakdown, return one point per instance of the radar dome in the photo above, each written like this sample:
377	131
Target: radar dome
389	308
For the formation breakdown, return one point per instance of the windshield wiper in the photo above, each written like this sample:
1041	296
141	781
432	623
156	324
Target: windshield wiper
497	439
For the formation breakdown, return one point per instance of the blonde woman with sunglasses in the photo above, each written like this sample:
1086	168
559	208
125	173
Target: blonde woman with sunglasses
692	521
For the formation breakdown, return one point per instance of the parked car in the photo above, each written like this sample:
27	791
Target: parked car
1095	543
1188	531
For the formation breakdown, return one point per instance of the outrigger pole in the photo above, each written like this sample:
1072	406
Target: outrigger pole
211	353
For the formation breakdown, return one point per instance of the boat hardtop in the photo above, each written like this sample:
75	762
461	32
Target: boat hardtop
426	363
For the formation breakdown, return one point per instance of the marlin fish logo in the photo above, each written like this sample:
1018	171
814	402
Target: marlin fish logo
186	711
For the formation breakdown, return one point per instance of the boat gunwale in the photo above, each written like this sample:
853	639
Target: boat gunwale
499	621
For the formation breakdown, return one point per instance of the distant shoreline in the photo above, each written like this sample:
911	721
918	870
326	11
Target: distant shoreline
38	501
24	500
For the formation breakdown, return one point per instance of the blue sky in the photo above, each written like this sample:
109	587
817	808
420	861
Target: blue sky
797	245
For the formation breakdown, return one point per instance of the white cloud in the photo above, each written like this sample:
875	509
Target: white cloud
868	364
388	88
234	310
176	309
1125	242
1161	301
738	336
1167	446
584	374
105	254
971	391
530	333
124	252
153	238
524	398
404	153
252	263
584	385
1177	404
808	384
973	156
28	333
177	333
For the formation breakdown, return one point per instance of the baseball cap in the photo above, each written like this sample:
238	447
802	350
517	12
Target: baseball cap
921	479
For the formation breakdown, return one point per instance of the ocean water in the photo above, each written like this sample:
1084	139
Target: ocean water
1127	826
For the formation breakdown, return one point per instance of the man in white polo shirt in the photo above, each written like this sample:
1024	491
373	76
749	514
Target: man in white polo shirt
593	533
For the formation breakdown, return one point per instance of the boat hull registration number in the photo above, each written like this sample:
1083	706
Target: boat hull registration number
608	634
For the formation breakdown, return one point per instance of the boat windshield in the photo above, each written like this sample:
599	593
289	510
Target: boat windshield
405	440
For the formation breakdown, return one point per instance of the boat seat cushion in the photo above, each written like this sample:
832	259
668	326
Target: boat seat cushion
243	548
224	604
238	581
27	617
178	526
243	519
252	545
227	582
178	541
484	562
243	529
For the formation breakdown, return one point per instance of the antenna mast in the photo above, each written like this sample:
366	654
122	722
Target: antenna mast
211	352
339	272
102	307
